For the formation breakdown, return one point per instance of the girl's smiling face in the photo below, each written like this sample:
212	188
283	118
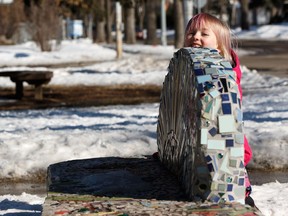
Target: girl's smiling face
203	37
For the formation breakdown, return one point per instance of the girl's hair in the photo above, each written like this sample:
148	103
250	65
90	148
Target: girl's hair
220	29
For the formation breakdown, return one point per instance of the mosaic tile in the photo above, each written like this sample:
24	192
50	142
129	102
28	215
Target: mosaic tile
221	187
229	187
206	99
211	60
215	108
239	138
225	97
239	115
197	65
199	72
210	167
214	93
204	136
220	155
224	84
230	197
241	181
234	97
200	88
210	71
226	108
237	152
208	107
222	178
241	164
204	78
216	144
226	124
242	173
229	143
232	163
208	86
229	179
226	64
215	163
224	166
208	158
213	131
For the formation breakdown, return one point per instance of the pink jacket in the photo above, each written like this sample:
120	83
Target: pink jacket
237	70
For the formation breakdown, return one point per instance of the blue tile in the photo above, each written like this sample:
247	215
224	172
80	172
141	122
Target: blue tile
225	97
210	167
208	158
234	97
230	197
230	187
229	143
226	108
213	131
241	181
199	72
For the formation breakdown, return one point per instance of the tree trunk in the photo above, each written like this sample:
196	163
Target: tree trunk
244	14
108	21
179	24
100	23
151	22
129	19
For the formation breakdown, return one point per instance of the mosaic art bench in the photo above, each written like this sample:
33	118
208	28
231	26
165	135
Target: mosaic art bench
199	131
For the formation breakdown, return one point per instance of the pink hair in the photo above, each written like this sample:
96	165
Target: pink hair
220	29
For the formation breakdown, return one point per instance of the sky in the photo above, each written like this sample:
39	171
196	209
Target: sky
31	140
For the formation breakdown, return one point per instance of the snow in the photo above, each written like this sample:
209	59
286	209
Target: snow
32	139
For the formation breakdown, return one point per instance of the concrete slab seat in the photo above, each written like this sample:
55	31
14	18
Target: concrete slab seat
32	77
199	132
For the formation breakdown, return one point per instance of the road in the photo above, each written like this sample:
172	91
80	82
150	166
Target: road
271	57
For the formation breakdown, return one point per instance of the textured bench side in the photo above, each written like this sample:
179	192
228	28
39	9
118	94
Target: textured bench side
199	131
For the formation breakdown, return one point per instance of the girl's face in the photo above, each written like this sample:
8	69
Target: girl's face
203	37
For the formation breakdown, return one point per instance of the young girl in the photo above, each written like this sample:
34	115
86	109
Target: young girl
205	30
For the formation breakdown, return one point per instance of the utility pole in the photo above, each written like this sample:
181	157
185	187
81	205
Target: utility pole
188	10
163	24
118	30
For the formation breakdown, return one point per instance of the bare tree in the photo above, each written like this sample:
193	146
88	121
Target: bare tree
179	24
244	14
44	21
11	17
108	21
151	22
129	21
99	11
